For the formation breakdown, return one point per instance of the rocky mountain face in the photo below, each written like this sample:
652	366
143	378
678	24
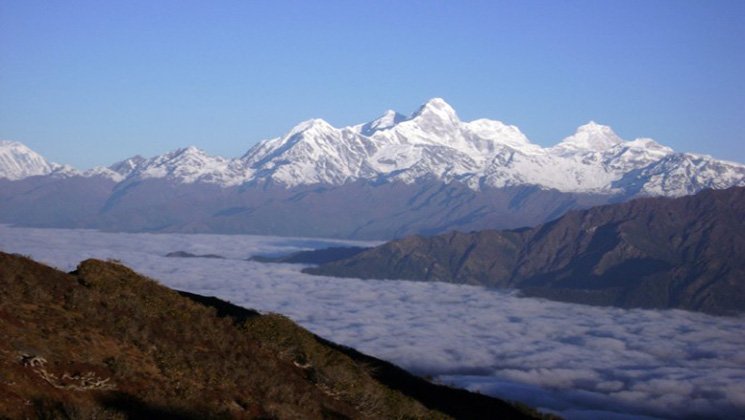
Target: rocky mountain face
682	253
104	342
432	165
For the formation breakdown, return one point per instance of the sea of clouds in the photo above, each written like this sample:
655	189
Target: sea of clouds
578	361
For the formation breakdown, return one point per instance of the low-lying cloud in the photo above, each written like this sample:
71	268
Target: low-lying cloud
580	361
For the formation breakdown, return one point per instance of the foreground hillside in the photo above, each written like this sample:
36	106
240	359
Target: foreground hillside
105	342
655	253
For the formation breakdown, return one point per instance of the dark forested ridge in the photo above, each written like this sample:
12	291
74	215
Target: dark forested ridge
686	253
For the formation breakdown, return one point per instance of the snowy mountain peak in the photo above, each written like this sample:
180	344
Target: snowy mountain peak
125	167
18	161
315	125
436	108
649	146
592	137
499	133
188	155
102	172
389	119
189	151
189	165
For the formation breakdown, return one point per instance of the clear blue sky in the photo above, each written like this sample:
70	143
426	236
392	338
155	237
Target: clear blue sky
91	82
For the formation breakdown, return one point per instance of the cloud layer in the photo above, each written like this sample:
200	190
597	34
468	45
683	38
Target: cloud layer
580	361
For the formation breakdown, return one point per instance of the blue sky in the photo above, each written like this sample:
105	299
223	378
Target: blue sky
91	82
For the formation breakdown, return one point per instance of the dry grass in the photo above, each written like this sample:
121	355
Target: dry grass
105	342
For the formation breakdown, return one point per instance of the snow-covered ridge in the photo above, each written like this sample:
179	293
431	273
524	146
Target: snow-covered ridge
18	161
434	143
431	143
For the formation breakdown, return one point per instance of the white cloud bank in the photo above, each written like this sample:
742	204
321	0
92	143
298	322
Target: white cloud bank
580	361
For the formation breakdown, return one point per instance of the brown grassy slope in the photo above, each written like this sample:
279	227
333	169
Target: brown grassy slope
106	342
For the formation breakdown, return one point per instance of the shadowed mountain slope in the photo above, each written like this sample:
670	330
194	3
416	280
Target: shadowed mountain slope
105	342
351	210
686	253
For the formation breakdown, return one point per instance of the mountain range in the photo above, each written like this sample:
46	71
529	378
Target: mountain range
660	252
433	171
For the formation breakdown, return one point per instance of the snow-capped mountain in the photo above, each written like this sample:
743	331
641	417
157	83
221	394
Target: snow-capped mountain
187	165
387	120
433	173
430	144
18	161
125	167
680	174
433	143
313	152
591	137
